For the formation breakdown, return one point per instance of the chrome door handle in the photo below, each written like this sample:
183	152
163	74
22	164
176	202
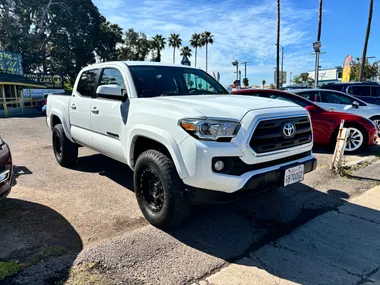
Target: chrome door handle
73	106
95	110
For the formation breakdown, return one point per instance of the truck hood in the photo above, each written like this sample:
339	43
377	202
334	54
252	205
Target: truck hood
223	106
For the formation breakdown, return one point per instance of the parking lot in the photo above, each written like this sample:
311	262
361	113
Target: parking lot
83	225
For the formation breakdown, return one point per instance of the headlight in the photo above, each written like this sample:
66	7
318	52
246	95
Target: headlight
209	129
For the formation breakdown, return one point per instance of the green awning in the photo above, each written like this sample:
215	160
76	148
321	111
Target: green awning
13	79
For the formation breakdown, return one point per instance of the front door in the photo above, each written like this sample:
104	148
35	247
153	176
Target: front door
79	108
109	117
341	102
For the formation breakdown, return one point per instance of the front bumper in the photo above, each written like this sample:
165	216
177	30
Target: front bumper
6	171
257	183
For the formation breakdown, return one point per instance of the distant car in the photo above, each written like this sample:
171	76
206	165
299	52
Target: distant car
366	91
362	131
6	169
341	102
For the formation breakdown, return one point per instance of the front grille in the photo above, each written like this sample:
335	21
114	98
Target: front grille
269	136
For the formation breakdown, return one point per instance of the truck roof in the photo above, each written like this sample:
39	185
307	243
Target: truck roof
146	63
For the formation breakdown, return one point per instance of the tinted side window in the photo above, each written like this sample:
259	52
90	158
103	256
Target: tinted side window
86	84
112	76
376	91
361	90
310	95
346	100
329	97
334	87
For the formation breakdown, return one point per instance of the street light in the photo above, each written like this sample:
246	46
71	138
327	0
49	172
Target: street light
282	64
236	63
317	48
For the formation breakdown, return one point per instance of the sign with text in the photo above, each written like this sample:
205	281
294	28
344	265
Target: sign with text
10	63
52	81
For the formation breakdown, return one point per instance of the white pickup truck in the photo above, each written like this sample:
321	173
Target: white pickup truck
186	138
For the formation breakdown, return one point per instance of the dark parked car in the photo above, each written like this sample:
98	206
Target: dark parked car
362	131
6	169
366	91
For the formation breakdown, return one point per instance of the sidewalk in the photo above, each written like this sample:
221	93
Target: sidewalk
339	247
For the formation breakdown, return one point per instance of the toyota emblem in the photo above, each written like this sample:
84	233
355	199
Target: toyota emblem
289	130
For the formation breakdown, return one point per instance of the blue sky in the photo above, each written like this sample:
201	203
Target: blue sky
246	30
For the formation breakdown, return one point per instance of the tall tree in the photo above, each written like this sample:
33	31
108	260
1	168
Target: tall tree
364	56
207	38
196	42
110	35
186	51
370	70
278	47
263	82
136	46
174	42
158	43
319	20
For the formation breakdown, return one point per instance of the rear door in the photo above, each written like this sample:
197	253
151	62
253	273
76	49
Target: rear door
80	105
375	94
109	117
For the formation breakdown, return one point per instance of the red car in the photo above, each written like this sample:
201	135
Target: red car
6	169
362	132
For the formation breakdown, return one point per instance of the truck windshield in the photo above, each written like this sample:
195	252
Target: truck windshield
154	81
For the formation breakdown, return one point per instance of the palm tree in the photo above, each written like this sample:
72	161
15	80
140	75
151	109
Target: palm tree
196	42
278	47
263	82
186	52
174	42
207	38
364	56
158	43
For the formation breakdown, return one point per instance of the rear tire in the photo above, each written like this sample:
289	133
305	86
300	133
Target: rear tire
376	120
65	151
159	190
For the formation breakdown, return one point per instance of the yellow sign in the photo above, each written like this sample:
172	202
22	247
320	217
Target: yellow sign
347	69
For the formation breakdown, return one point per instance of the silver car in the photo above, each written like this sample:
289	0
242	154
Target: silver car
341	102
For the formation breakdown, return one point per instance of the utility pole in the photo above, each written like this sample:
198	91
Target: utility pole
290	78
317	45
282	66
245	68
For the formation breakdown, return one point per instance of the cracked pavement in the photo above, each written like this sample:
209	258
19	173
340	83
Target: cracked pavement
91	212
338	247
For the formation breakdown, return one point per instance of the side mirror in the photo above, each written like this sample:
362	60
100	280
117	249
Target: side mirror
111	91
311	109
355	104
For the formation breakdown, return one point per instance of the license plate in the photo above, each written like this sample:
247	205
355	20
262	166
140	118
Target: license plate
294	174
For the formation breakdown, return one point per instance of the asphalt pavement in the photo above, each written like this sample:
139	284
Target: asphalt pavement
91	215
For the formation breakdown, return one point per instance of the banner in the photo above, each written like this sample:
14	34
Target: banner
347	69
10	63
52	81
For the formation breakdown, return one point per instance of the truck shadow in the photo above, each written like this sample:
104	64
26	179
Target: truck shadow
37	242
337	244
105	166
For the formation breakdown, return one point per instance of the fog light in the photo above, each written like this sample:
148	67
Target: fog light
219	165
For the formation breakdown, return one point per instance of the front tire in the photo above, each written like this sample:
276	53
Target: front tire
65	151
159	190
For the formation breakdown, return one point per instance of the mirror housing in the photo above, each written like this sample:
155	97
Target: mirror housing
355	104
111	91
311	109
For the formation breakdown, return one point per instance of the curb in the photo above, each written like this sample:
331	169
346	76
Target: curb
360	162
